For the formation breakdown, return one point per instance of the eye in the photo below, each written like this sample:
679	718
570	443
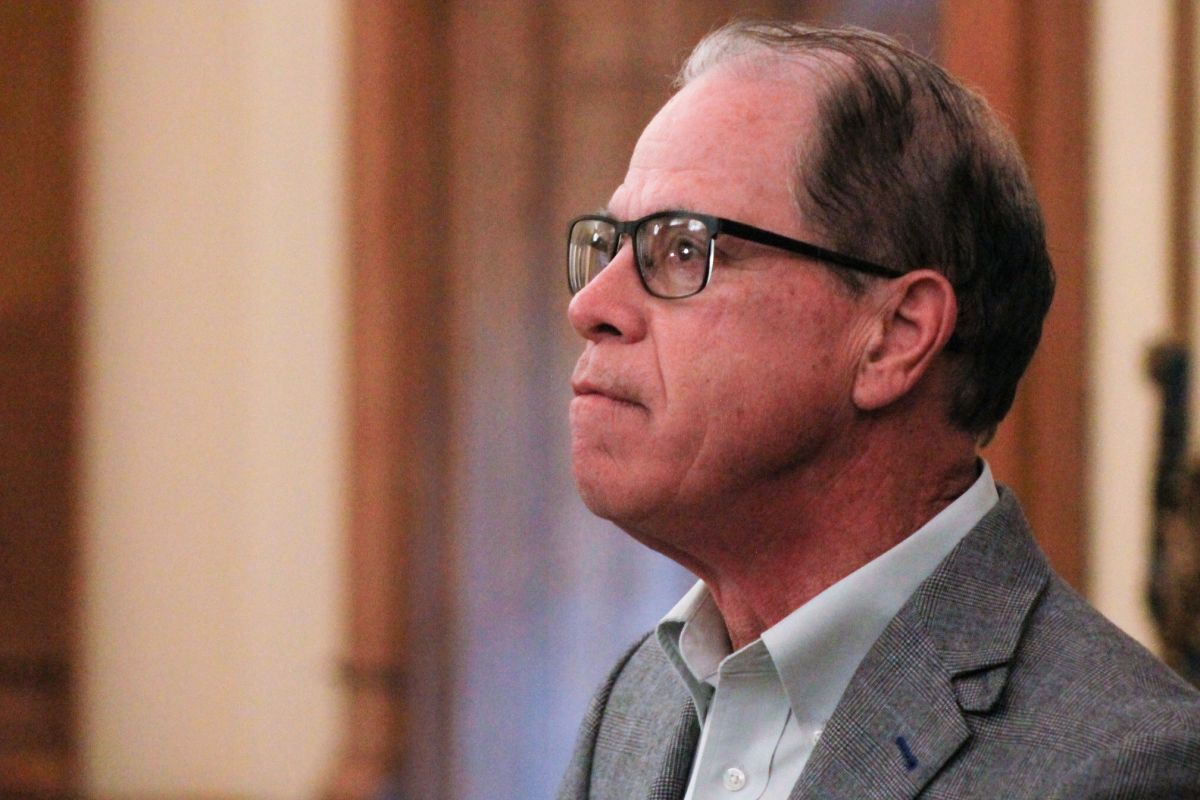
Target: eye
683	256
673	255
600	240
682	248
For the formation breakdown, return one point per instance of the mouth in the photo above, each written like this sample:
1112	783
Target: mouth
587	391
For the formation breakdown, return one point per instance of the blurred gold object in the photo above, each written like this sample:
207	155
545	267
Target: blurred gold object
1175	564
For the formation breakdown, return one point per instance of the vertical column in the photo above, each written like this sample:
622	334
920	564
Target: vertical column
396	664
212	446
39	160
1129	296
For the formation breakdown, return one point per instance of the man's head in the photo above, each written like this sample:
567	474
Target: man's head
783	368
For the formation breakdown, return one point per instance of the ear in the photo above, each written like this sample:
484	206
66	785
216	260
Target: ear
914	322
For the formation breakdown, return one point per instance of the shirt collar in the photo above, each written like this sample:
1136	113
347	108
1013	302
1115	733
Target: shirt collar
693	636
817	647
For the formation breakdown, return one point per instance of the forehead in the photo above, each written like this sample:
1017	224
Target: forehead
725	144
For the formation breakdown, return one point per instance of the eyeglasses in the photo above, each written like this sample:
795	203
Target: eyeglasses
673	250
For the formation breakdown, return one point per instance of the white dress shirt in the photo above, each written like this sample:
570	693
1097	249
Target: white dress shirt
762	708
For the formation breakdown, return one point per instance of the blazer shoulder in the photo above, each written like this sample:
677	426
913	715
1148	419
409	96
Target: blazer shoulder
1047	687
1075	650
1157	758
1099	714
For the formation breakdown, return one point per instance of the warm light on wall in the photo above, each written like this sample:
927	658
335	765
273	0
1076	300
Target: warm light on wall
214	363
1129	302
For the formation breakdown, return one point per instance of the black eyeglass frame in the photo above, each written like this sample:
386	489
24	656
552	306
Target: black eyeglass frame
717	226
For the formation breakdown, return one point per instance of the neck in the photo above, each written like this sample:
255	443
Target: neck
770	550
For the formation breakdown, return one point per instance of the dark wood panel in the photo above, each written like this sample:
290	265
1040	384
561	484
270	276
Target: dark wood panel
1056	409
981	43
396	618
1183	161
39	45
1030	60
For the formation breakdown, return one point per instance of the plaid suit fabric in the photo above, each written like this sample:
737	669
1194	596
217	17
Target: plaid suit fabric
578	778
995	680
672	781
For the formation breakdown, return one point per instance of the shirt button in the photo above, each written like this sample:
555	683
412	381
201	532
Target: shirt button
735	779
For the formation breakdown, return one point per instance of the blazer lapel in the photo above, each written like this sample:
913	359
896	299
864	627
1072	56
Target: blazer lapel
672	780
942	659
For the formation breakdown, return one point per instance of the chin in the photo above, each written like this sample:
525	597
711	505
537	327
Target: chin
631	509
608	499
599	499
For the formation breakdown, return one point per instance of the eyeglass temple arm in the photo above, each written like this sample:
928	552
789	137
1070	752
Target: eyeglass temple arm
753	234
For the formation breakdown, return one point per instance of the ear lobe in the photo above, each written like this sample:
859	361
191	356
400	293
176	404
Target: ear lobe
915	321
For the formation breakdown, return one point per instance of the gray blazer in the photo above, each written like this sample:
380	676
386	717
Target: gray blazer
996	680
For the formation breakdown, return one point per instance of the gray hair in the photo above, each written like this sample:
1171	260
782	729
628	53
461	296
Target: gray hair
910	169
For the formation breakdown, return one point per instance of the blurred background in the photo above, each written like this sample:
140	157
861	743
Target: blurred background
285	507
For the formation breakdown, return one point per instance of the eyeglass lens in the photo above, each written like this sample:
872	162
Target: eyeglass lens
672	253
593	243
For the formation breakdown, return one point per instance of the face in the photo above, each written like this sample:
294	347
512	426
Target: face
685	408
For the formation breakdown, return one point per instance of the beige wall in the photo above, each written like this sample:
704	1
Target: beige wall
1129	300
214	410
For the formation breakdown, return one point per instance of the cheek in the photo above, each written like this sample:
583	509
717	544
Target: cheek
784	372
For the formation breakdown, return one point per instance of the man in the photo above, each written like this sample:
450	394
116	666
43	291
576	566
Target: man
805	307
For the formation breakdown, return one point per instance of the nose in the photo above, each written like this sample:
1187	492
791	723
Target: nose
613	304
